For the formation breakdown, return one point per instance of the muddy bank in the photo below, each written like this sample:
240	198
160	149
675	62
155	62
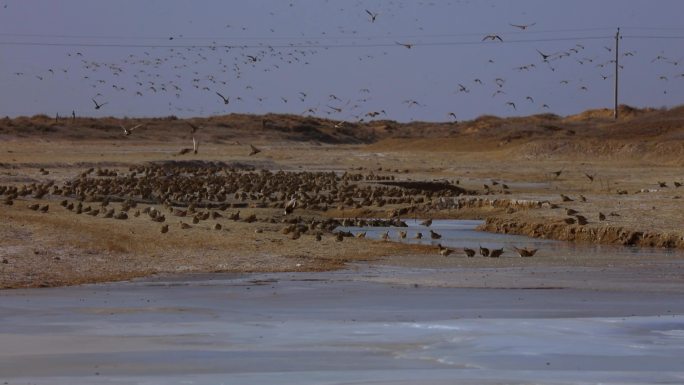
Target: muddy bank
604	234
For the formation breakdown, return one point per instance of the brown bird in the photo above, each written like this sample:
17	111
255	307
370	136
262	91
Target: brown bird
496	253
419	235
570	211
566	198
44	209
165	229
444	251
484	251
434	235
581	220
426	222
602	216
469	252
677	184
402	234
339	237
361	235
254	150
385	236
589	176
525	252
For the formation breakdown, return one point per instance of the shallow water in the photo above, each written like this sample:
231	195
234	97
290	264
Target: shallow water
463	233
342	327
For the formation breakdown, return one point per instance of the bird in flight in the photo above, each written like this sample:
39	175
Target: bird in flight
372	15
98	106
453	115
492	38
407	45
523	27
193	127
512	105
128	131
225	99
544	56
254	150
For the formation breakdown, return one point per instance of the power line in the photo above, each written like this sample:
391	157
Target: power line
300	45
355	37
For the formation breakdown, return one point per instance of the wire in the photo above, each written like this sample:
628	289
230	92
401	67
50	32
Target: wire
302	45
356	37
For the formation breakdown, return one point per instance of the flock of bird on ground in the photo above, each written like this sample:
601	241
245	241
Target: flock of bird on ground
224	72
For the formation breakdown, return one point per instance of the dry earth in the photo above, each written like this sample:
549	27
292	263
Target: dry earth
538	158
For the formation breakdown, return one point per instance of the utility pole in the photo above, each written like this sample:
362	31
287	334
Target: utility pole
617	70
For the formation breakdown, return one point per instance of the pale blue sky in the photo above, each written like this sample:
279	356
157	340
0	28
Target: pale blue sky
291	56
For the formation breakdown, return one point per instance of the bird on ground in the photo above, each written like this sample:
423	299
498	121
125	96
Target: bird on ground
570	211
525	252
254	150
484	251
339	237
566	198
385	236
128	131
402	234
225	99
444	251
372	15
97	105
677	184
492	38
602	216
557	173
426	222
496	253
662	184
589	176
419	235
361	235
164	229
434	235
469	252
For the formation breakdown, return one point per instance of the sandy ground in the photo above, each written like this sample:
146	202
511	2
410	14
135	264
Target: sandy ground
62	248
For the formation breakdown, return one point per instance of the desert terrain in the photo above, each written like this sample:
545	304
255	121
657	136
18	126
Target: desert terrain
81	202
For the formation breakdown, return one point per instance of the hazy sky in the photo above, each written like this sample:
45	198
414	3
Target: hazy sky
328	58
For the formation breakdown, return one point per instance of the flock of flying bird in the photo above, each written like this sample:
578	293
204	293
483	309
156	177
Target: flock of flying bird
224	71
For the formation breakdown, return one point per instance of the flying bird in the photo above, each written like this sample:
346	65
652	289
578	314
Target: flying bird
407	45
98	106
523	26
492	38
254	150
372	15
225	99
512	105
193	128
128	131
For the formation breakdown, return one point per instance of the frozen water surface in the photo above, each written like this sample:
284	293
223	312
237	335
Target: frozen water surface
337	328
